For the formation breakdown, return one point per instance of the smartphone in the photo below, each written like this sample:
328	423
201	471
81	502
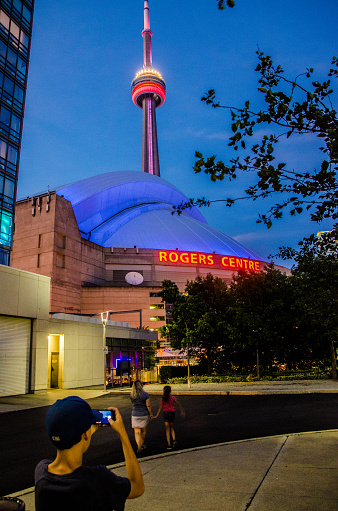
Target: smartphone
107	414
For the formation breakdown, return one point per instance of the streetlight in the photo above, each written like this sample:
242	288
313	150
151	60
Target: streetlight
104	319
188	358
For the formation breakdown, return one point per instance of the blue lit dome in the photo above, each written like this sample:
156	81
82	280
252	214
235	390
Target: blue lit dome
129	208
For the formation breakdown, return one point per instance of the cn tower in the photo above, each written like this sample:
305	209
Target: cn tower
148	93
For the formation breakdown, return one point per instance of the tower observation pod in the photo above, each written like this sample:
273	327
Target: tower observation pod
148	93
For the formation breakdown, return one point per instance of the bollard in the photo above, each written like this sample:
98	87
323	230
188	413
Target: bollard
11	504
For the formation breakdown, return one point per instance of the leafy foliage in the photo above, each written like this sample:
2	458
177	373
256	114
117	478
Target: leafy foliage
294	375
229	3
292	110
199	321
288	321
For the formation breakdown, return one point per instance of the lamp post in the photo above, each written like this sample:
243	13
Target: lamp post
188	357
104	319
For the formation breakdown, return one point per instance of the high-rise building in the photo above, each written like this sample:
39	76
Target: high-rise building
148	92
16	18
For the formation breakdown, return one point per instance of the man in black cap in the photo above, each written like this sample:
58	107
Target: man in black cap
65	484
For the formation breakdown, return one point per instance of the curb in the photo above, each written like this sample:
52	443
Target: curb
234	392
30	490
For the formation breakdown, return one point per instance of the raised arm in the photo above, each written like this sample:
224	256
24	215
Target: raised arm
134	473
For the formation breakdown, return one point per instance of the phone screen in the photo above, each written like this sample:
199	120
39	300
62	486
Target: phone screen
107	414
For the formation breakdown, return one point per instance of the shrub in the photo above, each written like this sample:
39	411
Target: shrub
316	375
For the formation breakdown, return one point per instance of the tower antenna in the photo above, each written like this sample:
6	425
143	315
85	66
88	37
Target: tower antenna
148	93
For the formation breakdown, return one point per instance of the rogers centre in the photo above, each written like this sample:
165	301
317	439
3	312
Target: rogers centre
109	241
210	260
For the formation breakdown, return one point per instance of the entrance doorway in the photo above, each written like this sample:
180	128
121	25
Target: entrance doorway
55	361
54	367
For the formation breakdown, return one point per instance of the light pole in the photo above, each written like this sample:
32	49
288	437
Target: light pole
104	319
188	358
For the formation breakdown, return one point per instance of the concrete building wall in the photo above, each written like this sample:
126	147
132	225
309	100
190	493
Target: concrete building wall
47	241
24	303
30	339
122	299
34	236
23	294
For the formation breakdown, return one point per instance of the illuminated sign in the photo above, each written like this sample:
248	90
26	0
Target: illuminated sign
209	260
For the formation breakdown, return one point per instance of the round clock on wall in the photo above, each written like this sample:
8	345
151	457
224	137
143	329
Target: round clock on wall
134	278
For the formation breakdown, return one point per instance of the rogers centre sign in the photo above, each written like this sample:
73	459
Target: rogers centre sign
178	258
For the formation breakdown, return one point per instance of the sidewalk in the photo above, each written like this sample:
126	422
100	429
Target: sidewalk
251	388
282	473
297	472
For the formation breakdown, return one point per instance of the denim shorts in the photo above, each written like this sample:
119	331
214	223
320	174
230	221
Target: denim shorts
169	416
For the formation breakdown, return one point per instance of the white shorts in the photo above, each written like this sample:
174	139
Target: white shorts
139	422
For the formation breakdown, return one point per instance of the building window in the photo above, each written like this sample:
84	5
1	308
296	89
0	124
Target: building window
18	97
4	257
40	241
38	261
157	318
5	119
60	260
4	20
156	306
8	193
7	190
60	240
6	226
8	90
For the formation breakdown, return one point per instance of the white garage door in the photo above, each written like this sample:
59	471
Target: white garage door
14	355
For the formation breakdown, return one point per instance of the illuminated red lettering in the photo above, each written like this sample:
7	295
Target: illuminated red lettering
197	258
193	258
202	259
184	258
162	256
225	261
173	257
210	259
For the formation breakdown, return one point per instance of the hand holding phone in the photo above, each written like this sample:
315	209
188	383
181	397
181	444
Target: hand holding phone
106	415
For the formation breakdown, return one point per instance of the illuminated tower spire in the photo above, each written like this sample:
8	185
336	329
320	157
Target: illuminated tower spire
148	93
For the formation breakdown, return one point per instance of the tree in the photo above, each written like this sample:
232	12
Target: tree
229	3
263	319
291	109
199	316
211	330
267	318
316	274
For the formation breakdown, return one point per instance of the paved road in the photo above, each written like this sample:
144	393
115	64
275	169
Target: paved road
209	420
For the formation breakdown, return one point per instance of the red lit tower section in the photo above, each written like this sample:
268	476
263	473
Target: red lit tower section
148	93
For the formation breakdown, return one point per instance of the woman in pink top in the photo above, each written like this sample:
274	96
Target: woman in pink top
168	403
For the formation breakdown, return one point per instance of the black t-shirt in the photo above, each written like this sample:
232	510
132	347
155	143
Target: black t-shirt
85	489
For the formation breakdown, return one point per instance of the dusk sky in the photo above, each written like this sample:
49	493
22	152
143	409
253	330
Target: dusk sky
80	120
